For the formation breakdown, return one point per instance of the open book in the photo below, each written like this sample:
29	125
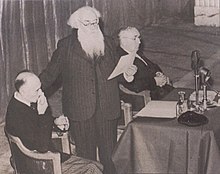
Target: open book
158	109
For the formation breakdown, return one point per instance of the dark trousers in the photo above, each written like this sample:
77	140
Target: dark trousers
92	133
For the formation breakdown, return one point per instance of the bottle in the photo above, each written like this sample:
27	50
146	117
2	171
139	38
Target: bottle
181	105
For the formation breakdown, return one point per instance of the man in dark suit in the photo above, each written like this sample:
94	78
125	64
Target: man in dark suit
85	59
143	73
29	118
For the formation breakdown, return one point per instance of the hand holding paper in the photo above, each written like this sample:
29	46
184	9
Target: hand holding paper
129	74
124	63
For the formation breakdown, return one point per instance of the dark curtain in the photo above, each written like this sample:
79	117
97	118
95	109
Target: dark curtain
30	29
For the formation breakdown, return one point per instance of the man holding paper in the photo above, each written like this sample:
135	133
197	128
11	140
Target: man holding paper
138	73
84	60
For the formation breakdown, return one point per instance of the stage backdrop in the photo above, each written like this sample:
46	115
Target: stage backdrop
30	29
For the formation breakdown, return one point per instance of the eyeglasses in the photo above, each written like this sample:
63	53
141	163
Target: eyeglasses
135	38
88	23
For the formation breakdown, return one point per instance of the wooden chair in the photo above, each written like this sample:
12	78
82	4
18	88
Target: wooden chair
33	162
61	142
145	94
126	112
127	116
127	106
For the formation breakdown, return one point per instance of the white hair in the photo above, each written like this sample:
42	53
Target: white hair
127	32
73	20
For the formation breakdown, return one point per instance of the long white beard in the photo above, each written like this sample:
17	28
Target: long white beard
92	43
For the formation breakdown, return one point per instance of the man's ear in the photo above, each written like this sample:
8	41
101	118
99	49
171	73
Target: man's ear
21	90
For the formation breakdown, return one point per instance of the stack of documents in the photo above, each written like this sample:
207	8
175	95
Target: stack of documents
210	95
159	109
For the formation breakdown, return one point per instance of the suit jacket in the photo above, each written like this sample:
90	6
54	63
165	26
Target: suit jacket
144	77
84	80
34	130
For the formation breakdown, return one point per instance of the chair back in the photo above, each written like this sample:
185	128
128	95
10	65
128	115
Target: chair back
25	161
145	94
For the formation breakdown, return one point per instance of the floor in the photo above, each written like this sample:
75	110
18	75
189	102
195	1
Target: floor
169	45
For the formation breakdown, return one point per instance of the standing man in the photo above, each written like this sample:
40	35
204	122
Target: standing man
85	59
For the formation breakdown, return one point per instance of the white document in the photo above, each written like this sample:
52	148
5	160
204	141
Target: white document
158	109
210	95
123	64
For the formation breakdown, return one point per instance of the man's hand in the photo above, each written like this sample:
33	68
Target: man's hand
129	74
41	103
62	122
131	70
160	79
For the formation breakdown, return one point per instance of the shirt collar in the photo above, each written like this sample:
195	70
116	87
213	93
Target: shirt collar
17	97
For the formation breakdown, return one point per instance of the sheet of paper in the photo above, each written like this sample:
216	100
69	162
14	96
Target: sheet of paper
158	109
123	64
210	95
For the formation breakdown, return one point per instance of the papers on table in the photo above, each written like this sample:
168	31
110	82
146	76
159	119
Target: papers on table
158	109
123	64
210	95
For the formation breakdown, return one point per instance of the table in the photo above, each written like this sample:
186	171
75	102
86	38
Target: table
152	145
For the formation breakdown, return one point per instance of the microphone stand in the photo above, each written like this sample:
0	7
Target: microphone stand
195	65
205	75
204	88
197	89
205	97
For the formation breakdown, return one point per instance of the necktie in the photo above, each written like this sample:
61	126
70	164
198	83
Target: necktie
34	106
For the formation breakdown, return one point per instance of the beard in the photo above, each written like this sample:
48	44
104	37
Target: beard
92	43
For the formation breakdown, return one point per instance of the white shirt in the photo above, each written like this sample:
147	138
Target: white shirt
16	96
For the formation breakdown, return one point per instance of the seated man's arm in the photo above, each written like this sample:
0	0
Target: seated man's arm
45	125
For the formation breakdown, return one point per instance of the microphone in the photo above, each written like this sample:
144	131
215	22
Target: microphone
195	61
205	75
195	58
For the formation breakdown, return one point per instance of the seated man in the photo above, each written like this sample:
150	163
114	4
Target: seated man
143	74
33	125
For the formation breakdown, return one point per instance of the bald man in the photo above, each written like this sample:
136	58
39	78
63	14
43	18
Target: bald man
34	125
85	59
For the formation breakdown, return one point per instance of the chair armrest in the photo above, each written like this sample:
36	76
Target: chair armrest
127	113
61	142
33	160
145	93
